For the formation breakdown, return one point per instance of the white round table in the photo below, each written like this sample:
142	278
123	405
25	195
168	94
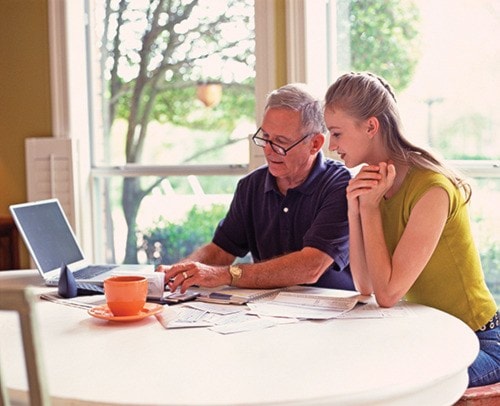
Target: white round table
420	359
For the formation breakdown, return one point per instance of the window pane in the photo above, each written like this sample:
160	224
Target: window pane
455	87
485	221
441	57
179	215
175	81
172	84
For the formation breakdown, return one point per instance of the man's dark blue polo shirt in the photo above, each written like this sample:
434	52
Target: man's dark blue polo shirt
267	224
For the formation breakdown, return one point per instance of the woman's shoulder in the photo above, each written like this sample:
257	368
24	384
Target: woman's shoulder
422	180
426	179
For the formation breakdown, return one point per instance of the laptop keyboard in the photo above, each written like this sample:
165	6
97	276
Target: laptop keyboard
86	288
92	271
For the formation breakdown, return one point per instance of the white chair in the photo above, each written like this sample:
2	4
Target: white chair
20	300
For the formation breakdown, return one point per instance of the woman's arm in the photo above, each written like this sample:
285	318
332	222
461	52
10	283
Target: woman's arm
392	277
357	257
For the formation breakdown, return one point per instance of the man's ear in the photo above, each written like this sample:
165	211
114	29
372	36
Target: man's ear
372	126
318	140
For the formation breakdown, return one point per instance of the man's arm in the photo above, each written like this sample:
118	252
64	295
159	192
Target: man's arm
210	257
210	254
301	267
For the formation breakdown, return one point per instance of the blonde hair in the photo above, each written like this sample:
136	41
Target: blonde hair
363	95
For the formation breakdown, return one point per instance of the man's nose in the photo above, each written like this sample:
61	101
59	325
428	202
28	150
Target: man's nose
268	149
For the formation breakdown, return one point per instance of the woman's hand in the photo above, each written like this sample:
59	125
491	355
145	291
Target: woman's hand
366	179
370	185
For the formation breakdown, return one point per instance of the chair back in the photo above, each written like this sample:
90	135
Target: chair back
20	299
9	244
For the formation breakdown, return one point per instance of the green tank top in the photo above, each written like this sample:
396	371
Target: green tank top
453	279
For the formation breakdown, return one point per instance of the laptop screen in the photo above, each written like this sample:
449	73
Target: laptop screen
47	234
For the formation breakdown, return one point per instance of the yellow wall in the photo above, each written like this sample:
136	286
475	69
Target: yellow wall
24	93
24	90
25	86
25	102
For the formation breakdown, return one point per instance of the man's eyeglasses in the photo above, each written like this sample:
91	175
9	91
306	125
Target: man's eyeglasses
261	142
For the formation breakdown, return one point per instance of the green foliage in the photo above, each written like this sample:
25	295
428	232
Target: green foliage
154	77
490	260
177	104
167	243
238	101
218	185
385	39
464	138
153	54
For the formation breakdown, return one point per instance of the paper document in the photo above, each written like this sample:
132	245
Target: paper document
222	319
82	302
315	301
304	306
156	282
232	295
182	317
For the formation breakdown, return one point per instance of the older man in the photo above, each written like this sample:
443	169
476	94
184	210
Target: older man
290	214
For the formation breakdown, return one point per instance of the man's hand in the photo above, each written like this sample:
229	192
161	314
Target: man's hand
186	274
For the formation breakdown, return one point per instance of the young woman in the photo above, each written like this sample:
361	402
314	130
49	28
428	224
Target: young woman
409	227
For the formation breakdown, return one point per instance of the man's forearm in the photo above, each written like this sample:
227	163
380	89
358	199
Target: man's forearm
301	267
210	254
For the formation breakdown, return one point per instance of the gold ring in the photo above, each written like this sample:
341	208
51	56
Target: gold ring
185	275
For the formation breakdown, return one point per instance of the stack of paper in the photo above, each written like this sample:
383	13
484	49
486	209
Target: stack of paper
304	306
233	295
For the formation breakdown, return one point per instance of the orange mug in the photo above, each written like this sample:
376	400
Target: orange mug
126	295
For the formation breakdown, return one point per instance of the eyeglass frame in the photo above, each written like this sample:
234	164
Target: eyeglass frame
281	150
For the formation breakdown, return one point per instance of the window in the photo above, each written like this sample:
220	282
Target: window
442	58
173	95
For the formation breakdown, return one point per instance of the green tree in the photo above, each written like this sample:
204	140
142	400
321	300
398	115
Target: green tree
167	242
151	54
384	39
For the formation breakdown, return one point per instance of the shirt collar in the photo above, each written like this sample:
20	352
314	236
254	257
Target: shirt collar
307	186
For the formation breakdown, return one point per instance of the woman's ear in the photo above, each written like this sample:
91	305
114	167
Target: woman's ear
372	125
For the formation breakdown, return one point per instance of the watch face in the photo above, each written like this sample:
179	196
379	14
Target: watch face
235	271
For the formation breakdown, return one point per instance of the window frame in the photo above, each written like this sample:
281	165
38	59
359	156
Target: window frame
71	118
304	65
70	81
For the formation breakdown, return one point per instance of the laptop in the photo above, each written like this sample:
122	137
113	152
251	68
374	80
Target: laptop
51	242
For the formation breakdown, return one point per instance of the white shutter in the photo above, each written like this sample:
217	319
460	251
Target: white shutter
50	167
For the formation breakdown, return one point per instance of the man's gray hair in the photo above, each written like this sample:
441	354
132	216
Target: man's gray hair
296	97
